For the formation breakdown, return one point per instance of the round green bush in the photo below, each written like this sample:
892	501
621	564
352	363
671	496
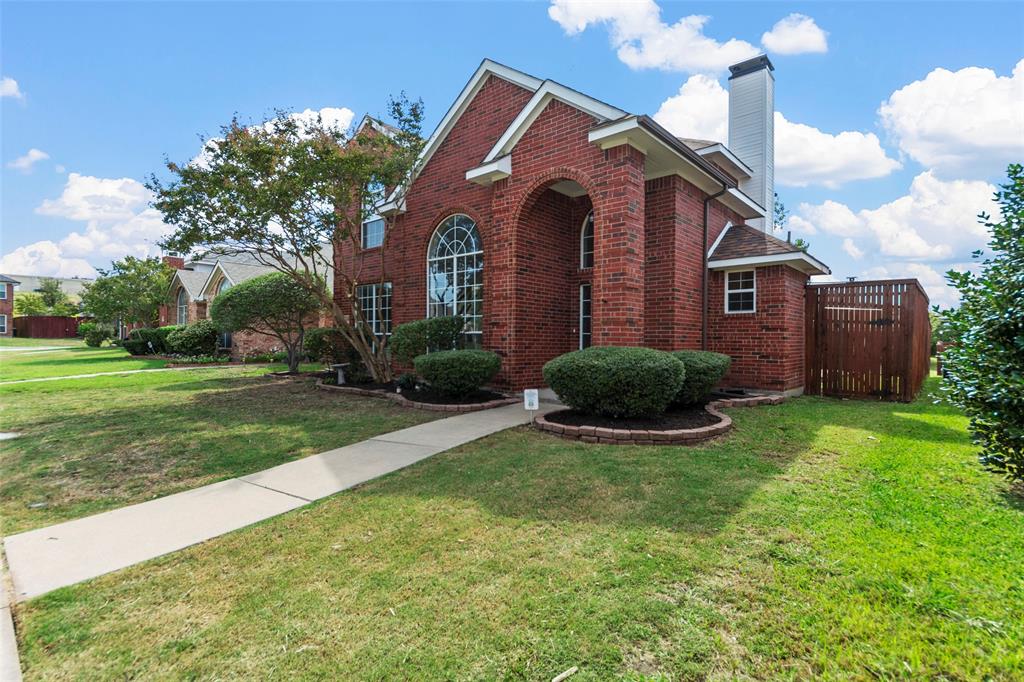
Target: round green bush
704	370
96	335
197	338
412	339
616	382
458	373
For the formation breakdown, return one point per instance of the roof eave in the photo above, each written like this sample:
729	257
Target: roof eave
799	260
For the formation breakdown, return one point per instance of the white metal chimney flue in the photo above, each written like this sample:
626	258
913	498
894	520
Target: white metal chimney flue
752	129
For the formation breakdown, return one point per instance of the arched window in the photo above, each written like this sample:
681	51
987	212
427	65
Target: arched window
587	242
224	340
455	274
182	306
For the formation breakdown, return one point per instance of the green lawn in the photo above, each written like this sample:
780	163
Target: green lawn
88	445
18	342
822	539
79	359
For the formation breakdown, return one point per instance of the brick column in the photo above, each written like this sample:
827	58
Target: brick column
618	309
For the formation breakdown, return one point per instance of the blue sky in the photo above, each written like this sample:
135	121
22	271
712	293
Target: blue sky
102	92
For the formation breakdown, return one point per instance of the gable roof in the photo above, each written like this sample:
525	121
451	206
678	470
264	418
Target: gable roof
740	245
5	278
191	281
234	272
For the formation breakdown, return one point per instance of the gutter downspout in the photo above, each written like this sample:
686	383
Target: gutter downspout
704	269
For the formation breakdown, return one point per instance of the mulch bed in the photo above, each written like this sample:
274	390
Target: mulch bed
425	398
682	418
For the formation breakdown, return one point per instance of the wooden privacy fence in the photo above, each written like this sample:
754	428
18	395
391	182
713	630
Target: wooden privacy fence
45	327
867	339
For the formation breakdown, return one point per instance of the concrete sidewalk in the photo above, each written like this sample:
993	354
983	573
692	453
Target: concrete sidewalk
121	372
45	559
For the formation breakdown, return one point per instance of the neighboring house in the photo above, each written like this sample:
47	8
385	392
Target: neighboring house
7	287
553	221
196	283
72	286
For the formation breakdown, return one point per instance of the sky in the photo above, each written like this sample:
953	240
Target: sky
894	121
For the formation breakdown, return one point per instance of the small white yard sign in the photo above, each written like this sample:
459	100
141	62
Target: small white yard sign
531	399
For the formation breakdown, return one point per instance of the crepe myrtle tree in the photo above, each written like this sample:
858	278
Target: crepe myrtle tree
284	189
132	291
272	305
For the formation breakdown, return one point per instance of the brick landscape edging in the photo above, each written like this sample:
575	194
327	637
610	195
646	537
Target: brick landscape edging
405	402
598	434
749	402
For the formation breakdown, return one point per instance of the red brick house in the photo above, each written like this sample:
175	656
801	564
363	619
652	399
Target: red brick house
7	285
553	221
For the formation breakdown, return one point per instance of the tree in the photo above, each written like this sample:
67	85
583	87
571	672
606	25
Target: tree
53	296
801	244
29	303
274	304
282	190
132	291
780	214
984	370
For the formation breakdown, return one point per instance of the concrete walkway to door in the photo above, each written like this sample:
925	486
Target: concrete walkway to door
47	558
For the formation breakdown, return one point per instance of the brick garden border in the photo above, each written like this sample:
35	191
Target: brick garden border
405	402
598	434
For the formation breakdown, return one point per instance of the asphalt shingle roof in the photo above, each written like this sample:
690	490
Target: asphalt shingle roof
744	241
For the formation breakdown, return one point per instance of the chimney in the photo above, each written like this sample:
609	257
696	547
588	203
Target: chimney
175	261
752	129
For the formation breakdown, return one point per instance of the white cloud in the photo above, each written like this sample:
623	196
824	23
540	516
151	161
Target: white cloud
935	221
701	110
44	258
932	279
118	222
801	226
804	155
30	158
644	41
9	88
851	249
60	169
795	34
966	121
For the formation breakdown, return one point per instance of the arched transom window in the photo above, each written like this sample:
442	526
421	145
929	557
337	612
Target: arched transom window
455	274
182	306
587	242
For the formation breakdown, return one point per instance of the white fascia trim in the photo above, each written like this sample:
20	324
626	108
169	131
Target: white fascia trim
744	170
487	68
742	204
718	239
614	131
548	91
490	172
786	258
392	208
209	278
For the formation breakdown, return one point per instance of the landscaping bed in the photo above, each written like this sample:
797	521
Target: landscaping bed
682	426
424	398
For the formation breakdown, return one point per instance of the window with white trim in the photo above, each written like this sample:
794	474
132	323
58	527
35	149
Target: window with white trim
3	291
740	292
373	233
587	242
586	315
224	340
3	321
375	303
182	317
455	275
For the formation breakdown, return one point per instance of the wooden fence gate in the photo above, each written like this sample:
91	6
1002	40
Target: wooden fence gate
867	339
45	327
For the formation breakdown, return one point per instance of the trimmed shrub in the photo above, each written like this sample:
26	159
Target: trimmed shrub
413	339
96	335
136	346
85	327
458	373
197	338
704	370
616	382
157	336
329	346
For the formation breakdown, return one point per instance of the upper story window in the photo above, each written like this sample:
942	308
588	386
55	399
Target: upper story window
587	242
455	275
182	317
373	233
3	291
740	292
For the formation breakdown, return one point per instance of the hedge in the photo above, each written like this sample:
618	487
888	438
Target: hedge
616	382
413	339
704	370
197	338
458	373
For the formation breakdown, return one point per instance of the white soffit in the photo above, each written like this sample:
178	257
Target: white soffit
798	259
490	172
720	154
742	204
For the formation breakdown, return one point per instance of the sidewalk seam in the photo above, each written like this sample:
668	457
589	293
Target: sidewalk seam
275	490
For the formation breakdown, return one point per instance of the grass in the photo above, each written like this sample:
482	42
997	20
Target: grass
19	342
79	359
88	445
822	539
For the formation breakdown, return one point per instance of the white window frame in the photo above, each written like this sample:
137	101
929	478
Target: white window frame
3	291
752	289
181	311
3	321
590	317
362	231
474	336
370	313
593	239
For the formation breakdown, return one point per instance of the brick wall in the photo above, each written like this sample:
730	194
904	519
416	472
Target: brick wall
767	346
7	308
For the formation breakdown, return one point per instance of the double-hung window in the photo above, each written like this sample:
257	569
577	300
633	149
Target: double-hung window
3	321
3	291
373	233
375	302
740	292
